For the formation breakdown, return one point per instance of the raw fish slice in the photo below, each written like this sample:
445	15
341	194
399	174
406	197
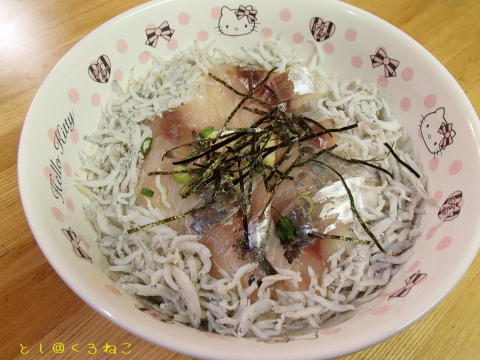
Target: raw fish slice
226	244
308	257
167	199
211	108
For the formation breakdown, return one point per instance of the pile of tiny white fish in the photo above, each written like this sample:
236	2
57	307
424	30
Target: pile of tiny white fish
170	271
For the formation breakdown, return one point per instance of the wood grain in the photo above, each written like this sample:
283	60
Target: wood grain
37	308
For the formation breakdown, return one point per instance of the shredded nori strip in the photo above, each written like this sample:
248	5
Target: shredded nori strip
169	219
353	207
231	162
338	237
364	162
412	170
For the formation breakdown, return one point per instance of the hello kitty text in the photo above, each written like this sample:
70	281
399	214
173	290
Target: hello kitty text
60	139
436	132
237	22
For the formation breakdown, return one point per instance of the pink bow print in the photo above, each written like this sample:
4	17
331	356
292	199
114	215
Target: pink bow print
412	280
75	241
448	134
163	31
247	11
381	58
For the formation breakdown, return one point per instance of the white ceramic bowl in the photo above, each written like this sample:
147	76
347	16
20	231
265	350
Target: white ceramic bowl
416	86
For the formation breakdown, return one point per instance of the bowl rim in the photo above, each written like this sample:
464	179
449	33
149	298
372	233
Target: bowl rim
221	353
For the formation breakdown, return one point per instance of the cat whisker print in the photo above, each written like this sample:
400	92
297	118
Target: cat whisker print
237	22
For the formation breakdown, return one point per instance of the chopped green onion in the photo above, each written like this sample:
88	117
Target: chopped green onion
309	210
284	230
181	178
205	133
146	146
194	153
147	192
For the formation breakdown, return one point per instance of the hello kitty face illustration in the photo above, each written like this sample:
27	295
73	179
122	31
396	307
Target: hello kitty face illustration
237	22
436	132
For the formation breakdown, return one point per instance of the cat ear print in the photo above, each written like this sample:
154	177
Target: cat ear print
441	111
224	8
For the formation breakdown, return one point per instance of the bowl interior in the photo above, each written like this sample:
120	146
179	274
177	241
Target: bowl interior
355	44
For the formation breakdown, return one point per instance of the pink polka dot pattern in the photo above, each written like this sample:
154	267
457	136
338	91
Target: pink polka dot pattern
266	33
75	136
430	233
57	214
118	75
430	101
444	243
95	100
202	36
216	12
143	57
113	290
405	104
298	38
414	266
380	310
328	48
172	44
331	331
73	96
357	62
382	81
70	205
285	15
122	46
51	134
67	169
184	18
433	164
455	167
437	197
351	34
407	74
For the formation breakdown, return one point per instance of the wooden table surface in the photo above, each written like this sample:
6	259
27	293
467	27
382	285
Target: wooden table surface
38	309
